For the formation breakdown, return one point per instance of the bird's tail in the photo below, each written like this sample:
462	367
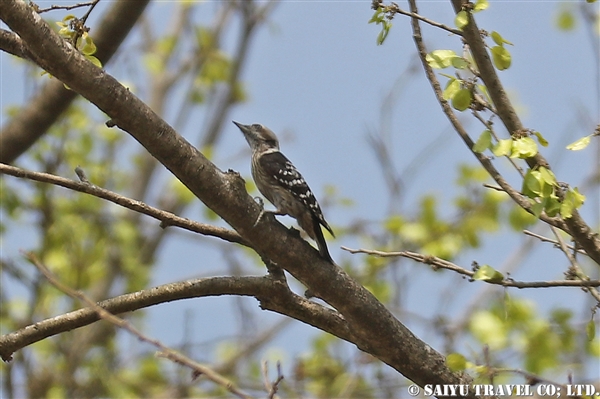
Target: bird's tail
321	243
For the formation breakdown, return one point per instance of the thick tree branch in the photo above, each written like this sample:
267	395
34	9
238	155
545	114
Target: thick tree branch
272	294
53	99
374	329
12	44
166	218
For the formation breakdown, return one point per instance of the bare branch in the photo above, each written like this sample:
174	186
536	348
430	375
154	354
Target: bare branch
71	7
533	379
556	243
265	337
436	262
393	8
166	352
271	387
166	218
272	294
575	269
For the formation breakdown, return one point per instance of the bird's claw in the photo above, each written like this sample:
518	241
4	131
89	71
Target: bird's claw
260	202
260	215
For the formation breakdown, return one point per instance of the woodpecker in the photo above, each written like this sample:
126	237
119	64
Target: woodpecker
281	183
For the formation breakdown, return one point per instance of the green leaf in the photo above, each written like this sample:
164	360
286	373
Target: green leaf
480	5
456	362
547	176
462	19
501	57
580	144
520	219
440	59
565	20
377	16
502	148
459	63
543	142
385	30
524	148
94	60
578	198
462	99
483	142
394	224
573	200
498	39
485	92
489	328
552	206
532	184
488	273
64	31
590	330
89	48
452	87
537	208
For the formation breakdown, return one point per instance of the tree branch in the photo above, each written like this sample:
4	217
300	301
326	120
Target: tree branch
166	218
165	351
33	120
272	295
556	243
436	262
575	269
12	44
393	8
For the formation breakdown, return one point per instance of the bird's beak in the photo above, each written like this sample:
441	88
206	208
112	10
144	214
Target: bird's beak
244	128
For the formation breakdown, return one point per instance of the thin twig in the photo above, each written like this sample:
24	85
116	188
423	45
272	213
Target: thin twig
436	262
575	269
166	218
489	126
273	387
71	7
533	379
394	8
165	351
556	243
